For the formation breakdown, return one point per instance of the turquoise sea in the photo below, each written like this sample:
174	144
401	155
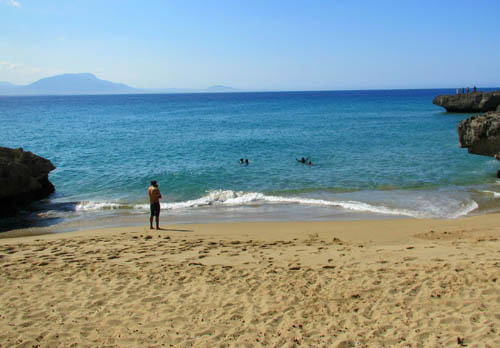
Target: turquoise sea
375	154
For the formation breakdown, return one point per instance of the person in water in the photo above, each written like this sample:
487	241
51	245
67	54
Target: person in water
154	200
302	160
246	162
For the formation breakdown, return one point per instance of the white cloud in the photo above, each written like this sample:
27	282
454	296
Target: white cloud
21	73
9	66
15	3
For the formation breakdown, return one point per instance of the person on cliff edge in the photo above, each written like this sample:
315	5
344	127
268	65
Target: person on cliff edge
154	200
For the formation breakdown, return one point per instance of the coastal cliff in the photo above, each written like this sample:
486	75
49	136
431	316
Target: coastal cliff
472	102
480	134
24	178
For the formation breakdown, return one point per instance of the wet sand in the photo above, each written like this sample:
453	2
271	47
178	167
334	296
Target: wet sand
386	283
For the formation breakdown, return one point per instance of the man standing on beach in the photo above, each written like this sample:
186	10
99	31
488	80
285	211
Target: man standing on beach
154	200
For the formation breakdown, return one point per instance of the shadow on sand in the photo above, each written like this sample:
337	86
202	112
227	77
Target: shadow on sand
39	214
171	230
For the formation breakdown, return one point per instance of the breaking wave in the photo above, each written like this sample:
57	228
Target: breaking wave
228	198
495	194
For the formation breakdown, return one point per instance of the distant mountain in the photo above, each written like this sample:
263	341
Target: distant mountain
220	89
212	89
7	85
169	90
86	83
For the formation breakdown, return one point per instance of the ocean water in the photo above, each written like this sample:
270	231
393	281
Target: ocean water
375	154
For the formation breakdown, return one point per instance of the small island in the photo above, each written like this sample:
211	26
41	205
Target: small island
469	102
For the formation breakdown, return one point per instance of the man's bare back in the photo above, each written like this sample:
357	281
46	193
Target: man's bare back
154	194
154	200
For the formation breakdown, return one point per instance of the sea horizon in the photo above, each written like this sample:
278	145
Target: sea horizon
451	90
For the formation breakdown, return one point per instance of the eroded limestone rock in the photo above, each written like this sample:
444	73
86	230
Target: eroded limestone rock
480	134
24	178
472	102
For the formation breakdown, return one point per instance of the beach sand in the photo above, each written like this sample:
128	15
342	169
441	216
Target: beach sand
386	283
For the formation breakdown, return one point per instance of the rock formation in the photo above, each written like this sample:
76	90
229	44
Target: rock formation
472	102
480	134
24	178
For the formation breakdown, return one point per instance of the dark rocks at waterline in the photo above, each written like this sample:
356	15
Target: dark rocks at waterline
480	134
471	102
24	178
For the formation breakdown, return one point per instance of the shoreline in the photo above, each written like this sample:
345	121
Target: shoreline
376	225
398	283
39	224
197	216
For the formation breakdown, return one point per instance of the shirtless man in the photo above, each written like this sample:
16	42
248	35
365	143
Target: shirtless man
154	200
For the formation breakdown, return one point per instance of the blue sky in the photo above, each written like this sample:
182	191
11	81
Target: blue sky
254	45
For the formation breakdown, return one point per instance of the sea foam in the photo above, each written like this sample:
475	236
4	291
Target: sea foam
495	194
228	198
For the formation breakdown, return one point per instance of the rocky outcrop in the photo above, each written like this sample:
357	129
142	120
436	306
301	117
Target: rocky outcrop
24	178
472	102
480	134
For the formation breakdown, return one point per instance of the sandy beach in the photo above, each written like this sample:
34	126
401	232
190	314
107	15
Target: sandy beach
387	283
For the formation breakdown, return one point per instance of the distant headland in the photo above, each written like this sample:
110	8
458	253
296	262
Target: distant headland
89	84
469	102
